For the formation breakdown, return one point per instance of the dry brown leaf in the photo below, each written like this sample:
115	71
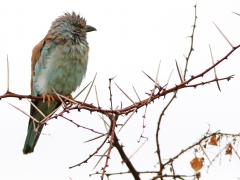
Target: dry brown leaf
197	163
198	175
229	149
213	141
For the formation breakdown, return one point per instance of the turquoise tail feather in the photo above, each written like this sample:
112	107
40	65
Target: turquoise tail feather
32	137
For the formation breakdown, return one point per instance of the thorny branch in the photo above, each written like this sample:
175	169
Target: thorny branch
90	107
191	46
125	159
113	116
111	133
161	166
201	142
86	160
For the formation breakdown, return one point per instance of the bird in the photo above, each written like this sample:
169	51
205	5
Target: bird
58	63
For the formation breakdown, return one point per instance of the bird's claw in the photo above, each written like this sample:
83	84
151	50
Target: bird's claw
69	97
67	101
48	98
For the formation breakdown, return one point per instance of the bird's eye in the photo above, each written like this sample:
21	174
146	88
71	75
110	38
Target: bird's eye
80	26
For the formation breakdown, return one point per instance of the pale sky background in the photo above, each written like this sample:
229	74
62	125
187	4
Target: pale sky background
131	36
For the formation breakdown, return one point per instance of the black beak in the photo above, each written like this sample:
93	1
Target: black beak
90	28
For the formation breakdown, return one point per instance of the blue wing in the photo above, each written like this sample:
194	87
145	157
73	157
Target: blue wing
41	53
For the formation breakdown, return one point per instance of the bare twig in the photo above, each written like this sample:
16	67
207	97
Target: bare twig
97	96
205	153
155	82
90	88
191	46
86	160
111	132
136	93
179	73
58	95
8	76
127	120
83	126
101	156
169	77
138	149
36	108
125	159
215	73
125	94
110	91
224	35
25	113
82	90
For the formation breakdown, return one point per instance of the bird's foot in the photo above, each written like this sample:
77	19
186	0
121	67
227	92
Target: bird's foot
69	97
69	103
48	98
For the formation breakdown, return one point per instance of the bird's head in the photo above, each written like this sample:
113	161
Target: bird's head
71	26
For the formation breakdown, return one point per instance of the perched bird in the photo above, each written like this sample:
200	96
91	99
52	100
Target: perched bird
59	62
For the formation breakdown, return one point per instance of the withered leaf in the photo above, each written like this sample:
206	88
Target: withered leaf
198	175
229	149
197	163
213	141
